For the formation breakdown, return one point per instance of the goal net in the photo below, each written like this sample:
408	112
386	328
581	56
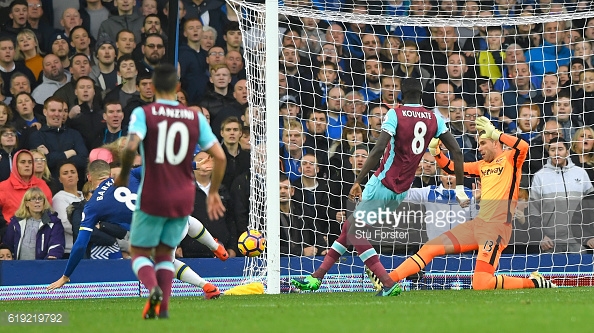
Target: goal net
527	67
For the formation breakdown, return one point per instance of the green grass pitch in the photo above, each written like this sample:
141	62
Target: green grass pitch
549	310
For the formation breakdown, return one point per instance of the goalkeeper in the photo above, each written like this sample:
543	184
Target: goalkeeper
500	172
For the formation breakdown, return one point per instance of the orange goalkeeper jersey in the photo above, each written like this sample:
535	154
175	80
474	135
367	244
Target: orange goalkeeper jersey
500	179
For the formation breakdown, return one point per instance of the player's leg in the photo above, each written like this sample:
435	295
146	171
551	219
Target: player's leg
197	231
338	248
144	236
494	238
458	240
170	235
184	273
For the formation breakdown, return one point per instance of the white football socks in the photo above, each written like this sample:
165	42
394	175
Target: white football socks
185	273
198	232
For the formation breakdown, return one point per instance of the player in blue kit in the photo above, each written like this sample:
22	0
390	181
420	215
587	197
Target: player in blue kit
166	133
108	204
406	133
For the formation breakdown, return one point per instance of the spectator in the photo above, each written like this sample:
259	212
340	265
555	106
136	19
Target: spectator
86	117
223	229
375	118
312	196
312	34
145	96
41	171
54	77
59	44
105	73
27	120
81	66
220	97
442	198
538	153
469	139
81	42
522	89
235	108
148	7
97	13
8	147
70	19
39	26
355	107
335	35
295	235
153	51
151	25
27	50
552	53
292	149
5	252
389	92
428	176
18	19
68	177
416	34
554	198
443	95
582	149
8	66
582	225
353	134
550	89
209	36
238	160
127	18
5	114
35	232
494	112
326	79
317	140
336	117
408	59
113	115
583	50
341	181
165	16
21	179
434	52
457	70
563	113
371	86
59	143
192	61
125	42
456	112
529	122
298	76
19	82
390	49
491	60
216	56
126	90
232	37
522	34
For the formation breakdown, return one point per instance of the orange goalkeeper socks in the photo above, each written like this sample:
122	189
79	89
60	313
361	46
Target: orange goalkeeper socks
417	262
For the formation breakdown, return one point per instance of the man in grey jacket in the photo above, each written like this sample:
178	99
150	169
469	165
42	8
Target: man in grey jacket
127	18
557	190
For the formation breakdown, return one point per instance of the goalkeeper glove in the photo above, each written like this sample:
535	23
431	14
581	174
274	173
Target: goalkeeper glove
483	124
461	196
434	147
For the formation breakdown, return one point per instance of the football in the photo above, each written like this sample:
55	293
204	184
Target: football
251	243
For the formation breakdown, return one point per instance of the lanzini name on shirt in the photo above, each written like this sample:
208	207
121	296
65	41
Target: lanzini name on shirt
174	113
417	114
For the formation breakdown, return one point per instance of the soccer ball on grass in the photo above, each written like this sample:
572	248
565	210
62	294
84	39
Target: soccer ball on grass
251	243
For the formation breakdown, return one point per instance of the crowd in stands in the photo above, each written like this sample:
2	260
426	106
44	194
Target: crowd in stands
72	72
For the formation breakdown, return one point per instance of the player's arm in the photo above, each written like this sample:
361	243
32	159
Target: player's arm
455	154
78	248
374	156
521	146
209	143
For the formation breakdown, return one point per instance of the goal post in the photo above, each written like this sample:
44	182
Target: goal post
332	73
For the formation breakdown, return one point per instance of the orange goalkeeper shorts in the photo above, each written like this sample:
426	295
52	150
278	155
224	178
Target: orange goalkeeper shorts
489	238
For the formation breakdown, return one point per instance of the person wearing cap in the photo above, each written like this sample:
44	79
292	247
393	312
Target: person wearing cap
127	18
556	191
104	72
59	44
